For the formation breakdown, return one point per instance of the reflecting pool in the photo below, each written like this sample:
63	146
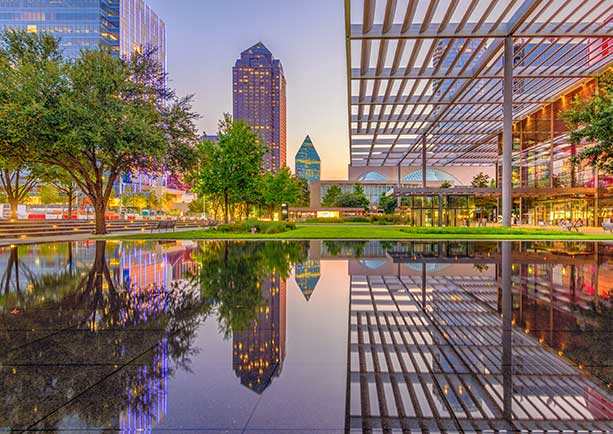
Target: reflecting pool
306	337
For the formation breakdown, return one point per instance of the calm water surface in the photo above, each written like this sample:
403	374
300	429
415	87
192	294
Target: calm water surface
306	337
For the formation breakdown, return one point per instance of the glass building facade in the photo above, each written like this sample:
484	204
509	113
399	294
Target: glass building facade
259	100
122	26
549	184
308	163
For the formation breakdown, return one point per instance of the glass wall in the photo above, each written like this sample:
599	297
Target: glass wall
425	210
543	158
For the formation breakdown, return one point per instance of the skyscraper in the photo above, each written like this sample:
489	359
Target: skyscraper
308	163
122	26
259	100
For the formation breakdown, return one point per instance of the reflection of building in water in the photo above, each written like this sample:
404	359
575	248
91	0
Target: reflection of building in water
148	400
426	354
307	276
259	351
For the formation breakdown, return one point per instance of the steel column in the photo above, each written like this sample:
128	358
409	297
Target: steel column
424	183
507	145
399	199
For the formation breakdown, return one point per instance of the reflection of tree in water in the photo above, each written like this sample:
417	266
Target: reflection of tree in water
345	248
109	348
232	274
126	332
244	285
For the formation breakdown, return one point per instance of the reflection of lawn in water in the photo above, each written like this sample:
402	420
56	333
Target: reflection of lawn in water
376	232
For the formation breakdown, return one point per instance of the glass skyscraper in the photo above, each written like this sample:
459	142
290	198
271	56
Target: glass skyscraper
259	100
122	26
308	163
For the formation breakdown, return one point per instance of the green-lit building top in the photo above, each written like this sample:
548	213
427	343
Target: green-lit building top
308	163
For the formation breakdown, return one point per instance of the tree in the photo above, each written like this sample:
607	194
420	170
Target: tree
360	195
48	194
30	67
446	184
388	203
592	121
166	202
279	188
331	196
230	168
64	183
153	201
140	201
304	198
114	116
481	180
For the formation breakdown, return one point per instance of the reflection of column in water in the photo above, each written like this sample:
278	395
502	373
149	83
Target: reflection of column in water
507	313
148	398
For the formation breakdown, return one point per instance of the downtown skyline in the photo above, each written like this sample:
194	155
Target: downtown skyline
204	41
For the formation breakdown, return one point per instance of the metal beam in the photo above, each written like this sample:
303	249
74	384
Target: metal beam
460	74
487	30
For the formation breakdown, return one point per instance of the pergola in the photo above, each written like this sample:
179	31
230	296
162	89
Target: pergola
439	82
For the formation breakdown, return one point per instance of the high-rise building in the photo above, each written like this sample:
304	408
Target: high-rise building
308	163
259	100
122	26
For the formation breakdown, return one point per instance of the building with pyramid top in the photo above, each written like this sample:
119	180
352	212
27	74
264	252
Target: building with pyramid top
308	163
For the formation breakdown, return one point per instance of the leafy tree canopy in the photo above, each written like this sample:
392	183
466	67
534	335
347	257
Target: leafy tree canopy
591	121
230	168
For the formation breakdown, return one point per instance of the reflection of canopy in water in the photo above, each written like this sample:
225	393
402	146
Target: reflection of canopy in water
373	264
430	268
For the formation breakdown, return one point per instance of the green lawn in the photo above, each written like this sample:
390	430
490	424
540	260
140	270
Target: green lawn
376	232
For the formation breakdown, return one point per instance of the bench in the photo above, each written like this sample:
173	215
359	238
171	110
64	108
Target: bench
165	225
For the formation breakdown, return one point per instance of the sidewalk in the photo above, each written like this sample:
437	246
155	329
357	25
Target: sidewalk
71	238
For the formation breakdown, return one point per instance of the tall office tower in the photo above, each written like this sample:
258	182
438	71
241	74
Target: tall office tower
122	26
259	100
308	163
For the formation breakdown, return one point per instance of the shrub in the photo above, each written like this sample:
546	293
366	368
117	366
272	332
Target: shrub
325	220
389	219
358	220
259	226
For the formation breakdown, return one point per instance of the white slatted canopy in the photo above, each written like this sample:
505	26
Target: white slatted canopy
431	71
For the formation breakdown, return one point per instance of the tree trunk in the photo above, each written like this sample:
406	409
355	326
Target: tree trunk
13	203
99	212
70	200
225	208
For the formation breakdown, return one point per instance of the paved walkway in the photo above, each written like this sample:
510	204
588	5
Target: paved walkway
67	238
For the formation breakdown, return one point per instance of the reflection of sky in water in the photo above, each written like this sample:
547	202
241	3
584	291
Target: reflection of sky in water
373	264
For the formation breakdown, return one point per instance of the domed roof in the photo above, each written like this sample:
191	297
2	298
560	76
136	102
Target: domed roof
371	176
432	175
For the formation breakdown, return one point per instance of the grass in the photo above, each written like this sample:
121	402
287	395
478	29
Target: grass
376	232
